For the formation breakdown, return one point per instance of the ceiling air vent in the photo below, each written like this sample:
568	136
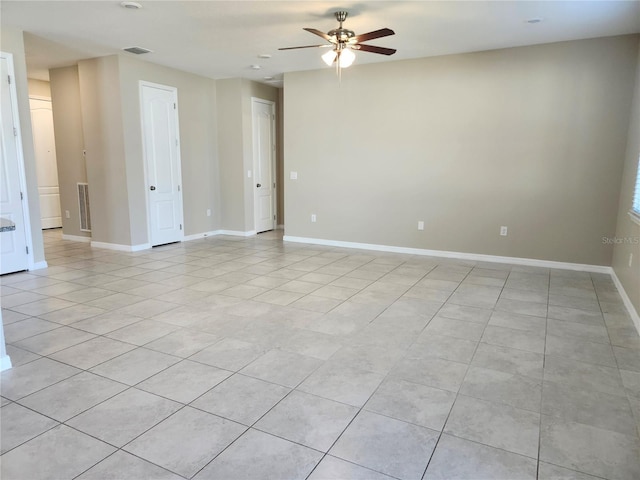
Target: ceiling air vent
137	50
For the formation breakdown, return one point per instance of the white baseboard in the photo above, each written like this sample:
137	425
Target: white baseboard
626	300
213	233
478	257
186	238
197	236
236	233
76	238
120	248
38	265
5	363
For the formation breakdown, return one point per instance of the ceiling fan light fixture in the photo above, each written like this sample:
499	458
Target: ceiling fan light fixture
343	42
346	58
329	57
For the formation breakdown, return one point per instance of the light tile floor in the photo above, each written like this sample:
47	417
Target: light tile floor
232	358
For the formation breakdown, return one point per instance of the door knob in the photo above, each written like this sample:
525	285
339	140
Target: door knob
259	185
152	187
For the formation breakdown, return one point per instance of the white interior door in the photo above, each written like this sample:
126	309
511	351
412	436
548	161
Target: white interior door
263	113
13	244
162	158
46	166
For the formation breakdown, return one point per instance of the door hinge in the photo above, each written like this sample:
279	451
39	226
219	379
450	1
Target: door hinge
274	184
176	142
9	79
21	196
180	226
15	132
174	105
27	248
274	217
178	187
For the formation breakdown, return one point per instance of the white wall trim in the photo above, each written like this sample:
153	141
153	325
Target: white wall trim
76	238
120	248
237	233
39	265
626	300
478	257
198	236
5	363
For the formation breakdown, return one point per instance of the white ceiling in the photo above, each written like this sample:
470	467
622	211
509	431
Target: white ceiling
221	39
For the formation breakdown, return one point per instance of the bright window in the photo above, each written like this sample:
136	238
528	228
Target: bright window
635	209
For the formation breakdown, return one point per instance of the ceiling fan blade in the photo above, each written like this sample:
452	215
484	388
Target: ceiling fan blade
306	46
320	34
374	49
383	32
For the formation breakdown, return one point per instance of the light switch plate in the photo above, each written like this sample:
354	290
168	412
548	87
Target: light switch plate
293	175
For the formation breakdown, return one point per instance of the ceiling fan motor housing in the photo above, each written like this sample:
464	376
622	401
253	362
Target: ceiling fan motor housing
342	35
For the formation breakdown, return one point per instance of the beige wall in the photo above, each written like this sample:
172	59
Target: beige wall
39	88
198	145
532	138
232	174
111	124
235	146
12	41
628	232
104	143
67	119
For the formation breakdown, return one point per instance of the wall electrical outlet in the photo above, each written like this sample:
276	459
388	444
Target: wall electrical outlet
420	225
208	212
630	259
67	214
503	231
313	218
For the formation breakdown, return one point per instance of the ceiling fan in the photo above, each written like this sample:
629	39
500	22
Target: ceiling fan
343	42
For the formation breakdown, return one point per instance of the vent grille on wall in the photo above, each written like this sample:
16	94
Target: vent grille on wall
137	50
83	201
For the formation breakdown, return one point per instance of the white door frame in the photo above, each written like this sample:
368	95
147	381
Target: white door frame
26	214
174	90
274	196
